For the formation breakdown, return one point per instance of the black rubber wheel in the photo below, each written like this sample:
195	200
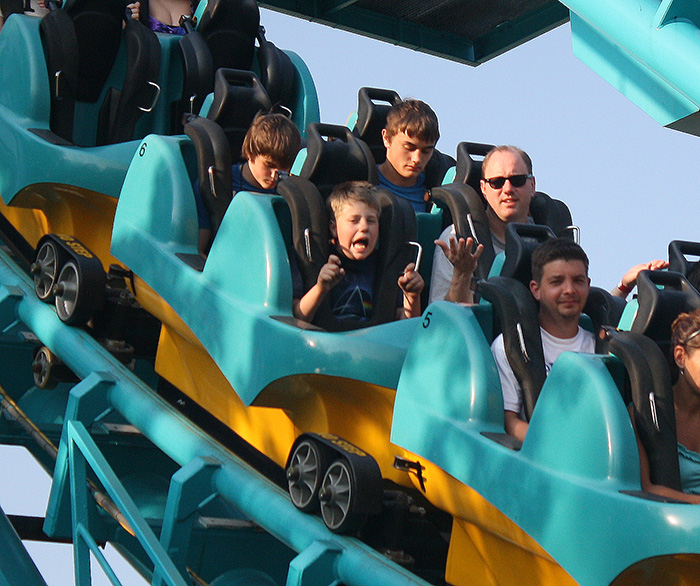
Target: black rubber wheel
337	497
45	269
305	471
74	304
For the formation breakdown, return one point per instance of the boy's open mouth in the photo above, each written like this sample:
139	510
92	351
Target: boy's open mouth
361	243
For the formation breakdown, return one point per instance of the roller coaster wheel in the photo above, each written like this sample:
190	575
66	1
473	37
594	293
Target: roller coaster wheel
45	270
73	305
337	497
42	369
305	471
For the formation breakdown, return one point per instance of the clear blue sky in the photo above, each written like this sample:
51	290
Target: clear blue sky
631	184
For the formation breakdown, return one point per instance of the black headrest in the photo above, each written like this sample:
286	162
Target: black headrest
678	263
371	118
238	97
230	28
342	157
604	309
521	241
553	213
658	307
8	7
652	397
469	169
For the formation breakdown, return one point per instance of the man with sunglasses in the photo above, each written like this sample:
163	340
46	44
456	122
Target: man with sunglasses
508	186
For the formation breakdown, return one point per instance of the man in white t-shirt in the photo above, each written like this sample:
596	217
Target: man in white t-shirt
508	186
560	284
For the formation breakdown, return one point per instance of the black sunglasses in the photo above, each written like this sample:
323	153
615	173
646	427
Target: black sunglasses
515	181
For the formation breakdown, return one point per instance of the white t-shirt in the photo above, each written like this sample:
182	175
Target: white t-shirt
583	341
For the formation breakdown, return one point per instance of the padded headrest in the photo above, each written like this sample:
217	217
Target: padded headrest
678	263
238	97
553	213
604	309
371	118
658	307
469	169
342	157
521	241
230	28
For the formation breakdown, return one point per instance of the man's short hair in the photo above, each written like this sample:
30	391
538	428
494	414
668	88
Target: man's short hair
274	136
360	191
556	249
415	118
509	149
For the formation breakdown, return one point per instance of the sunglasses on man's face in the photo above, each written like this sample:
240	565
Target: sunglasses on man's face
515	181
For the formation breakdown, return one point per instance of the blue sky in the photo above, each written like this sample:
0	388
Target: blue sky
630	183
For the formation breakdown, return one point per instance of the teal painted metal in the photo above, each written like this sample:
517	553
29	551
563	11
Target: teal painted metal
107	382
648	50
563	487
16	565
83	451
245	282
472	44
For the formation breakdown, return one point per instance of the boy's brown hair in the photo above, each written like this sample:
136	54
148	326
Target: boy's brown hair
361	191
415	118
274	136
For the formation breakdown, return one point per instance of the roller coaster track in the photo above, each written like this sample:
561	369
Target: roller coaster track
194	544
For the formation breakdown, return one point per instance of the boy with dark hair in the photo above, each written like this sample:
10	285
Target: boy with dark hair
270	146
349	273
409	136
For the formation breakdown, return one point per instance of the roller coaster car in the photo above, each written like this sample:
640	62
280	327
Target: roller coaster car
414	405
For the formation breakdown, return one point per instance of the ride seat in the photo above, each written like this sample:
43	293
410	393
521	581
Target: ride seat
677	252
81	42
229	28
310	237
123	108
277	72
652	397
337	158
372	110
238	97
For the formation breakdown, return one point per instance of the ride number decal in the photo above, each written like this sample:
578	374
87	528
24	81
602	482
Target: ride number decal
76	246
142	149
426	319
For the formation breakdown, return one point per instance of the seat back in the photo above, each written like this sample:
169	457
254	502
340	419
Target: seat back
277	72
81	42
229	28
652	397
678	250
373	105
521	241
238	97
140	90
334	155
516	316
213	167
310	237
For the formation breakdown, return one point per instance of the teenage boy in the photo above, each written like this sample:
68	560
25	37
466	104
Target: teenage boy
409	136
349	274
270	146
